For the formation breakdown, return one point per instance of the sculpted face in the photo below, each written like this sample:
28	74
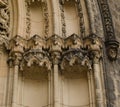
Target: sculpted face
112	53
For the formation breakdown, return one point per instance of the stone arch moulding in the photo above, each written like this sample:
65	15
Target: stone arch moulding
111	43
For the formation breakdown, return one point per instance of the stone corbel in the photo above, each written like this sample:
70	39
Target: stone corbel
112	49
55	43
17	44
74	56
93	44
16	47
36	53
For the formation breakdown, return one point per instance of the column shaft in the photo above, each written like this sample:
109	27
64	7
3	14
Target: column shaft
15	86
56	86
98	85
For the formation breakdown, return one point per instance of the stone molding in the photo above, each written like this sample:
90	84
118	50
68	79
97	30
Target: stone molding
111	43
57	50
4	23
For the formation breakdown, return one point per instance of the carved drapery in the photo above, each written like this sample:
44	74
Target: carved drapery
110	39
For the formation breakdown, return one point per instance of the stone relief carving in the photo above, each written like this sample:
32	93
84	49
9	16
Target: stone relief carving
94	46
16	47
62	19
74	54
46	15
73	42
28	23
55	43
17	44
35	53
112	49
81	18
69	51
110	41
36	43
4	23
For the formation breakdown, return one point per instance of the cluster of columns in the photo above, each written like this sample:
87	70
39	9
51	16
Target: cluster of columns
92	45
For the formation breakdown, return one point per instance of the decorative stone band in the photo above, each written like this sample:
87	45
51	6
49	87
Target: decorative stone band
57	50
111	43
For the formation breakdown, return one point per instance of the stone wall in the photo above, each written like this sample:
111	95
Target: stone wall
112	68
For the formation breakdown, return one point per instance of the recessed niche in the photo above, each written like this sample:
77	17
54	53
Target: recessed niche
71	18
37	18
75	91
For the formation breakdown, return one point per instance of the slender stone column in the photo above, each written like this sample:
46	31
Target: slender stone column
10	83
15	79
56	79
94	45
98	81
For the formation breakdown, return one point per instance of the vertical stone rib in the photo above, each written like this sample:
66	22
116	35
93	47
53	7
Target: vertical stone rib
98	85
15	86
55	17
56	89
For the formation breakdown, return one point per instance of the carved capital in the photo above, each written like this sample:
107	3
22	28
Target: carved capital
17	44
56	56
73	42
36	43
55	43
15	59
94	46
112	49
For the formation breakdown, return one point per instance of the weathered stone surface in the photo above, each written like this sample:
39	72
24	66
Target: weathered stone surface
62	64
